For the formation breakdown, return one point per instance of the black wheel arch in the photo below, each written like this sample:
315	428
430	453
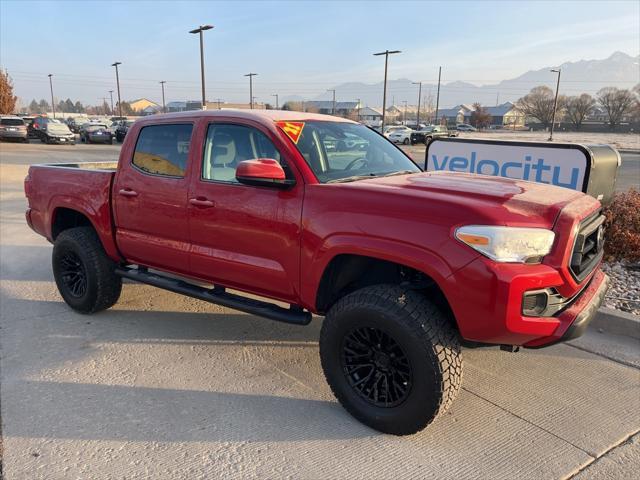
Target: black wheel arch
346	273
64	218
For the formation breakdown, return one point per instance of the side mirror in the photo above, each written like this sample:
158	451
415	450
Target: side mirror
263	172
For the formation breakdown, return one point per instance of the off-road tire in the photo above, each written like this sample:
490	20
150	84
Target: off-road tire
425	335
103	286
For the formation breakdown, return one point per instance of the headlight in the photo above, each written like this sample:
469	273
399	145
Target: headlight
508	244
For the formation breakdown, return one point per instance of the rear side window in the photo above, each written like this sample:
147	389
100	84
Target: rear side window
14	122
163	149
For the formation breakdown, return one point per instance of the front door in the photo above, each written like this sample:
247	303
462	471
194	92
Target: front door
151	199
244	236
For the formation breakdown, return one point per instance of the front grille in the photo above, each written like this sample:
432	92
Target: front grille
588	247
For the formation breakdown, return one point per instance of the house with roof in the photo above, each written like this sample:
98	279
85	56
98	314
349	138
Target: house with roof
326	107
370	116
505	114
141	103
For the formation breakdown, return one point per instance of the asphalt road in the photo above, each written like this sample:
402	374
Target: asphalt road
163	386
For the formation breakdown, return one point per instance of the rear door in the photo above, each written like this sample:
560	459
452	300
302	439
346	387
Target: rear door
243	236
150	198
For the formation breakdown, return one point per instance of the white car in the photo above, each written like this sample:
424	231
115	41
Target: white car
399	134
465	127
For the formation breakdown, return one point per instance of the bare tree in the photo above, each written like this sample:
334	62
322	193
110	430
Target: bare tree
578	108
7	98
635	108
616	102
538	103
480	117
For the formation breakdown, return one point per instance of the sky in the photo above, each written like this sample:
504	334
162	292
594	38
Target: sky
297	48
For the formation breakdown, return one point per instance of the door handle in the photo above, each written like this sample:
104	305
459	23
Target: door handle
201	202
127	192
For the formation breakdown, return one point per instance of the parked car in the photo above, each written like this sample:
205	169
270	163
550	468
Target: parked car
465	127
35	129
400	135
430	132
388	130
13	128
404	264
122	130
58	132
95	133
75	123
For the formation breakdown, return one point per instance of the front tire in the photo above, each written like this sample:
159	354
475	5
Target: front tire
405	141
391	358
85	276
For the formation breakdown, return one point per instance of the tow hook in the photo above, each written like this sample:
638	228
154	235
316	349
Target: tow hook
510	348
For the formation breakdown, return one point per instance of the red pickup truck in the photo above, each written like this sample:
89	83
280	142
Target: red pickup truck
328	217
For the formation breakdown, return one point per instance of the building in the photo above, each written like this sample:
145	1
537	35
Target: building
370	116
325	107
505	114
141	103
235	106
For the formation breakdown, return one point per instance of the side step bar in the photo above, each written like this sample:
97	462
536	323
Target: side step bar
219	296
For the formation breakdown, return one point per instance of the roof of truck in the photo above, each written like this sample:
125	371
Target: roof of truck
259	115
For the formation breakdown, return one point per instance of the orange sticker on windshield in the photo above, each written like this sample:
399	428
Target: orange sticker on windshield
292	129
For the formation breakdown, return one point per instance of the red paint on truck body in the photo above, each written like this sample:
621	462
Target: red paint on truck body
278	242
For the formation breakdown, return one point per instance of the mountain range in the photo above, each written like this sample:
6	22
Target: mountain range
584	76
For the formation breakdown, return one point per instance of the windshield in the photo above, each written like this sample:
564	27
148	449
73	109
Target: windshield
12	121
57	128
338	151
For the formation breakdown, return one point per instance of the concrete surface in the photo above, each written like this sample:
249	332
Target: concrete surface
163	386
617	322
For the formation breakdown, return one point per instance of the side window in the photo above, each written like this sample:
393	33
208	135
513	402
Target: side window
228	145
163	149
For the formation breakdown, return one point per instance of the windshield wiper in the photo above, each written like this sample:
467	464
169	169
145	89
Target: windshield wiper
353	178
400	172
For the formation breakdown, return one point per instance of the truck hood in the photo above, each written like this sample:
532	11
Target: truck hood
500	201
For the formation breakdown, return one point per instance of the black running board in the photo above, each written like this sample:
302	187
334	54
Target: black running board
219	296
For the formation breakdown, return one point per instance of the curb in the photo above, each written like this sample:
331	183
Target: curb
628	150
617	322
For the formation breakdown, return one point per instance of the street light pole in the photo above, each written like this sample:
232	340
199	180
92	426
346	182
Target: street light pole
164	108
419	95
386	54
277	105
111	95
358	107
118	87
199	31
404	117
53	106
333	108
251	75
438	95
555	105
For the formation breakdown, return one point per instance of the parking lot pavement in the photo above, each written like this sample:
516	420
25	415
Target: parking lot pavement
628	173
163	386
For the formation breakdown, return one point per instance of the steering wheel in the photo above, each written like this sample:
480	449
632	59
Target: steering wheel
355	161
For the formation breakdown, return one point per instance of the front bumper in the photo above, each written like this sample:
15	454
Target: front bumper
486	299
62	140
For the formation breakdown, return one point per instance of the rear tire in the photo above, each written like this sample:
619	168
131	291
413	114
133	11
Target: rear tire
405	141
391	358
85	276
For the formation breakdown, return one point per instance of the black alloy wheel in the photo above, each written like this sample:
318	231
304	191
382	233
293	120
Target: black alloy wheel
376	367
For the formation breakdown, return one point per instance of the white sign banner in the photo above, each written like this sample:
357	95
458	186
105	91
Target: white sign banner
561	166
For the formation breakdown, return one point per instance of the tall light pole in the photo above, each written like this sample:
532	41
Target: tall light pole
111	96
419	95
199	31
555	104
386	54
438	95
164	108
358	107
53	106
404	117
251	75
333	108
219	100
277	105
118	87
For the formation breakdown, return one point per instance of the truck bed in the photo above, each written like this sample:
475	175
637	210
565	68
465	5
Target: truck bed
57	189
